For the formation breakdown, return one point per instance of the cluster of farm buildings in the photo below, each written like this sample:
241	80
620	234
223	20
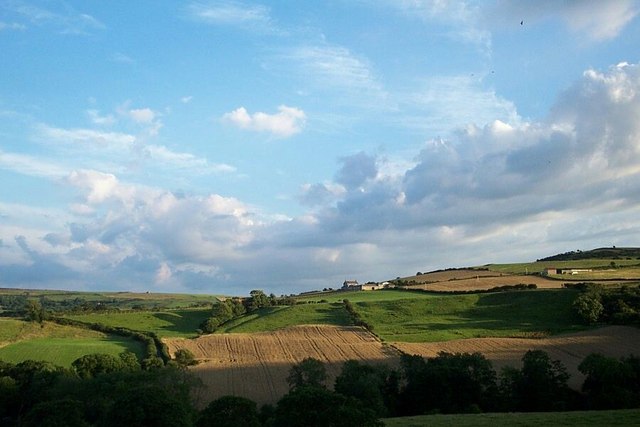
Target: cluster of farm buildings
553	270
353	285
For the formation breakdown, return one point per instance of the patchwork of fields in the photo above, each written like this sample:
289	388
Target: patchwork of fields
251	355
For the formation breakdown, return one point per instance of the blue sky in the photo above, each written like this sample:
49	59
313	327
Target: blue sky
223	146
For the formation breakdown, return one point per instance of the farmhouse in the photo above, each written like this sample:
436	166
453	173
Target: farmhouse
353	285
553	270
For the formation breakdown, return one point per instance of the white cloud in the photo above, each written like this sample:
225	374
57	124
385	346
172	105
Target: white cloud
572	180
286	122
31	166
162	154
336	66
145	117
186	99
443	103
12	26
85	136
164	273
461	16
142	115
122	58
100	120
67	20
100	186
233	13
598	20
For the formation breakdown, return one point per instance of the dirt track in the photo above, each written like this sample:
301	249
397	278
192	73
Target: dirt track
256	365
614	341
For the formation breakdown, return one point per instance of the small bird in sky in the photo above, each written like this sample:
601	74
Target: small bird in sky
521	22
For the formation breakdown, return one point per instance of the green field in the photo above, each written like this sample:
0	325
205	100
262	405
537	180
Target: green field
122	300
63	351
272	318
425	317
359	296
58	344
627	417
448	317
173	323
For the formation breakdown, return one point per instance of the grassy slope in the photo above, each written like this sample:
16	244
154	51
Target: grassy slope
422	317
58	344
175	323
579	418
331	312
447	317
272	318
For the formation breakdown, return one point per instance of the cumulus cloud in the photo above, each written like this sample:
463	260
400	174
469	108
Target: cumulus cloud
356	170
144	117
572	178
286	122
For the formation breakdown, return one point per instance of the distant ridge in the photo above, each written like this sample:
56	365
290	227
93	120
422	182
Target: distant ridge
600	253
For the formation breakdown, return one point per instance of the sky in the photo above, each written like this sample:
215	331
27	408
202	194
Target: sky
224	146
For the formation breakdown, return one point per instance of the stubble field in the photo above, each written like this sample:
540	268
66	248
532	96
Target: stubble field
256	365
570	349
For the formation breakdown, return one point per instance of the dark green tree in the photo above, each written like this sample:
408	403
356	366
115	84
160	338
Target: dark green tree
611	383
311	406
129	361
229	411
148	406
309	372
184	357
376	387
35	312
589	307
56	413
541	384
91	365
257	299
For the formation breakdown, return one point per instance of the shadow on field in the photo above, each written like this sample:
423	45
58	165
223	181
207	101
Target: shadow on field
264	382
549	310
182	322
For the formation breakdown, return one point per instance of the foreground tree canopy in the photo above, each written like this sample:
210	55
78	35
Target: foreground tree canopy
106	391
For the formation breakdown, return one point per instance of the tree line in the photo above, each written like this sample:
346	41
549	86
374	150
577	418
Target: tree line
597	304
102	390
230	308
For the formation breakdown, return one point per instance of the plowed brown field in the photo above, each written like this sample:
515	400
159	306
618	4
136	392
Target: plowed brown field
256	365
614	341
